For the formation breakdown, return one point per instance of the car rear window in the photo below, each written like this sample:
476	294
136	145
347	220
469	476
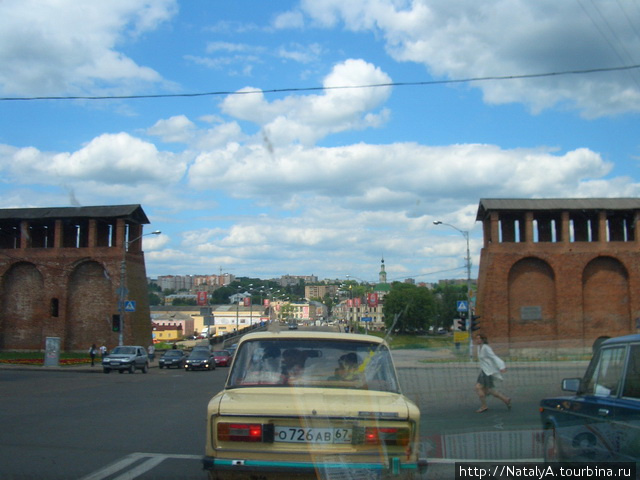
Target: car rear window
314	363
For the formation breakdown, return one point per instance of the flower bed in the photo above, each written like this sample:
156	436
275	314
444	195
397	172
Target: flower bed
40	361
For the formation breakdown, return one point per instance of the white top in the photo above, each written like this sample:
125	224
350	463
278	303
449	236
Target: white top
490	363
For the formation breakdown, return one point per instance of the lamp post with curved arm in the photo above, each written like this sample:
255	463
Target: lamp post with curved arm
123	284
465	234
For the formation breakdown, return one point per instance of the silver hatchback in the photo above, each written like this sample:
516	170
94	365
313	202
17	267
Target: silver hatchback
126	358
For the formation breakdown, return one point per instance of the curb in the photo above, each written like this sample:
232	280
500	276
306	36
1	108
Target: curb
40	368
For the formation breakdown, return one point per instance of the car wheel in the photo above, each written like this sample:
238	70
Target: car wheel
550	446
106	370
120	371
145	369
160	366
132	368
585	444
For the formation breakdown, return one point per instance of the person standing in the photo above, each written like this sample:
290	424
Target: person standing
92	353
103	351
151	352
491	366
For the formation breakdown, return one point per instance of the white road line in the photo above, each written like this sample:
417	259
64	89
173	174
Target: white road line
153	459
113	468
142	468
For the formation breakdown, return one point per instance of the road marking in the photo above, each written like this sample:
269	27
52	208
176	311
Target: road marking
152	461
142	468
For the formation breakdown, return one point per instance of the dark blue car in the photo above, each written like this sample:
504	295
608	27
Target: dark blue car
601	420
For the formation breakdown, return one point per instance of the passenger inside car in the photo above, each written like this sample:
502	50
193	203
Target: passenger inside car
293	361
347	367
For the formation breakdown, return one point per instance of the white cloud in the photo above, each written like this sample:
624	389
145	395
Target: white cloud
466	38
306	119
175	129
301	53
293	19
69	47
106	163
399	177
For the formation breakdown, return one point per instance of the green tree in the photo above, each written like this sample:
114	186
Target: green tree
415	307
184	302
154	299
447	297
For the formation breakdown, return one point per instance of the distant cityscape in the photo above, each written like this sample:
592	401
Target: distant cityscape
208	283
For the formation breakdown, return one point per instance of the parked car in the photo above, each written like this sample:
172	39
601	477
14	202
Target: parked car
601	420
293	326
200	359
126	358
317	404
222	358
231	349
172	358
206	348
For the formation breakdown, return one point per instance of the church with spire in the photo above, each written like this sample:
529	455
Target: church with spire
382	287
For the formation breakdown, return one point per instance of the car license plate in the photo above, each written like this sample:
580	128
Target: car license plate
312	435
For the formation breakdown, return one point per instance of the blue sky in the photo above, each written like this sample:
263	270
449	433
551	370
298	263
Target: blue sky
322	181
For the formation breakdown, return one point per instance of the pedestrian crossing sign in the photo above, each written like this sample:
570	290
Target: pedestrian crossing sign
463	306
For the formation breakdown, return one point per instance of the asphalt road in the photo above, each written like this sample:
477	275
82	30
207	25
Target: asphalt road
68	425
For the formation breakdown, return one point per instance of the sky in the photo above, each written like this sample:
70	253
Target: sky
316	137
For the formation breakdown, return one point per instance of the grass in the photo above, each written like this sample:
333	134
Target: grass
404	341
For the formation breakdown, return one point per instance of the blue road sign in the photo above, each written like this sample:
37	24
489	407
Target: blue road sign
129	306
463	306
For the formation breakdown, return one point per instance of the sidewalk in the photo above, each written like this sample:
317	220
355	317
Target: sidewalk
401	358
85	368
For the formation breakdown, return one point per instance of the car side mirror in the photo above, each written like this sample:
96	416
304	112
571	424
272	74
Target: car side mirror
570	384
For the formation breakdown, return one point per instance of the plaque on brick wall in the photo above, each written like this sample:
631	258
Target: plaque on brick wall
531	313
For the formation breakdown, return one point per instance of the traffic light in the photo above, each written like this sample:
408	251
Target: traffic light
461	324
115	323
475	323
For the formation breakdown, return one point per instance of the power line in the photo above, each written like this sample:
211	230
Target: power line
324	88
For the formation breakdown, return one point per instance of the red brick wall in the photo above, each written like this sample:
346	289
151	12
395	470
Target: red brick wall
584	289
85	282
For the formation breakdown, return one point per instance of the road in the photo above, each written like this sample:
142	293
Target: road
67	425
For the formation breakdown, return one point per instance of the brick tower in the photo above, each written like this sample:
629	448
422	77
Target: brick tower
60	276
558	269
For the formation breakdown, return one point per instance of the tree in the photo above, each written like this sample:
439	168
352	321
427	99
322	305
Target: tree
184	302
415	307
154	299
286	312
447	297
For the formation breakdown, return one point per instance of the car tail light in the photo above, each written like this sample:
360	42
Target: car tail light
240	432
386	436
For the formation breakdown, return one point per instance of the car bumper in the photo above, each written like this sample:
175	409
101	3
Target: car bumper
199	366
226	469
121	366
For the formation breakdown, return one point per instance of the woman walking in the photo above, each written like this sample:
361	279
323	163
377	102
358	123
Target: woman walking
490	366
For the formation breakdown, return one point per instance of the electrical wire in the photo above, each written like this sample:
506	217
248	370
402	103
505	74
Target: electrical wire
336	87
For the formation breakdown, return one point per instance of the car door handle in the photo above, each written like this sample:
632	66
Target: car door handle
603	412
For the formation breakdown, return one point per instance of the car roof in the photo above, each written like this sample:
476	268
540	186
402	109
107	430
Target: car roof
624	339
297	335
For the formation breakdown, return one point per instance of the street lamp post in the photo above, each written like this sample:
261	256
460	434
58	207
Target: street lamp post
238	310
250	306
465	234
123	281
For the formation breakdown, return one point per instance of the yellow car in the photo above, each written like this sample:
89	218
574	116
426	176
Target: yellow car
312	405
